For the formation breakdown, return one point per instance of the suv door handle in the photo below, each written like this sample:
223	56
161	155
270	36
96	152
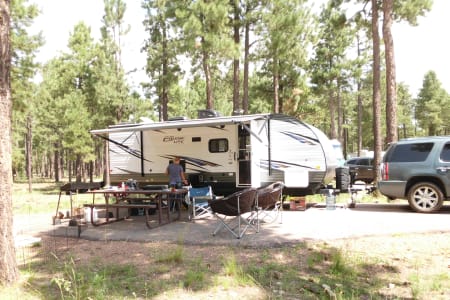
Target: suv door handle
443	169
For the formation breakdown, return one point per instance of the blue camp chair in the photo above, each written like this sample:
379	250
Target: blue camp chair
198	202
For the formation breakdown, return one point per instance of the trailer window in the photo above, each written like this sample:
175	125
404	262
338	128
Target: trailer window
218	145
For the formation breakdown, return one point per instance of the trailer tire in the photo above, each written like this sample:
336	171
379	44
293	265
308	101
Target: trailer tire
342	179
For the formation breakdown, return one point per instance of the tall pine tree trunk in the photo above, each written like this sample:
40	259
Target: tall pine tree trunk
106	176
91	171
57	160
49	166
246	67
208	80
165	88
360	106
332	110
340	112
70	170
276	84
236	72
78	168
377	147
29	154
9	272
391	87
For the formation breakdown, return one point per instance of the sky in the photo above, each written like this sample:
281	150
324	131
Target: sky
417	49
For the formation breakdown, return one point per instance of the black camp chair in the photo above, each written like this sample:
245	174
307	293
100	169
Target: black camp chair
236	212
270	202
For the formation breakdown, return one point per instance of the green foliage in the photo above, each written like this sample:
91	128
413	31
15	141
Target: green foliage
411	10
75	87
63	110
205	32
23	69
331	69
162	47
301	58
433	106
111	74
286	33
405	112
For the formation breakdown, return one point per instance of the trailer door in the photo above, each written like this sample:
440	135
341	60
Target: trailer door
244	157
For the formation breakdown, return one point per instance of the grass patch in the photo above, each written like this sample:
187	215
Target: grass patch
305	271
95	282
172	257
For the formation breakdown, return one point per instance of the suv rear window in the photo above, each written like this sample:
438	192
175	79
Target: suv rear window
365	162
445	155
409	152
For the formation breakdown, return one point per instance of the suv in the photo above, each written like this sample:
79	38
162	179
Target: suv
417	169
361	168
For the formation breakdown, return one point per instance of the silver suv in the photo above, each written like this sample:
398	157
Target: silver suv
417	169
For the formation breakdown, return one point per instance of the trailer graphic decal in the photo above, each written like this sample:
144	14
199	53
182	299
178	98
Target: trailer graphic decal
125	148
301	138
196	162
126	171
281	165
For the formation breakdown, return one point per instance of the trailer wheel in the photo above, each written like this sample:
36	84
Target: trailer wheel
342	179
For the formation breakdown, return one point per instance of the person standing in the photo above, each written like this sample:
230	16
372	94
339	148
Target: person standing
176	174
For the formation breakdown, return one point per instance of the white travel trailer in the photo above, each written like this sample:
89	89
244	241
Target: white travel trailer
228	153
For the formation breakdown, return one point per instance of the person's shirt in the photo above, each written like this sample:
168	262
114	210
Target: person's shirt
174	171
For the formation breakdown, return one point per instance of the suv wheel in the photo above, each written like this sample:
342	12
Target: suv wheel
425	197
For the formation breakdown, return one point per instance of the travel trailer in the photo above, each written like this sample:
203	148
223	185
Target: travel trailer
229	153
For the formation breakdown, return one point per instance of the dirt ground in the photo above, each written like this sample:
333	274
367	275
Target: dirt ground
408	255
405	255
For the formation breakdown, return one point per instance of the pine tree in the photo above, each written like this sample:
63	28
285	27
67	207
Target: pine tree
329	66
396	10
432	106
9	272
162	47
286	33
24	67
206	39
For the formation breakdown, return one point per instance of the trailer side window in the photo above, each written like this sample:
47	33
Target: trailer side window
218	145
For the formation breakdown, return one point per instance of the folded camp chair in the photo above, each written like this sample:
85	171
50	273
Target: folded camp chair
270	202
198	202
236	212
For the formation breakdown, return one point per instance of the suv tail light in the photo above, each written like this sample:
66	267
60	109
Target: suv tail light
385	171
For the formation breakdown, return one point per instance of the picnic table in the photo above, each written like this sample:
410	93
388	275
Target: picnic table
73	188
166	202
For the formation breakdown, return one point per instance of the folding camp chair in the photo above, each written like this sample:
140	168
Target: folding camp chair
198	202
270	202
236	212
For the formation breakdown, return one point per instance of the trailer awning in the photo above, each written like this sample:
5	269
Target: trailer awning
216	121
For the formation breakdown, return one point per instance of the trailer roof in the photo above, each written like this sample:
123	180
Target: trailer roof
215	121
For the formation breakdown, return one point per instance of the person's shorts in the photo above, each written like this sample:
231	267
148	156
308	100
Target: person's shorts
177	185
